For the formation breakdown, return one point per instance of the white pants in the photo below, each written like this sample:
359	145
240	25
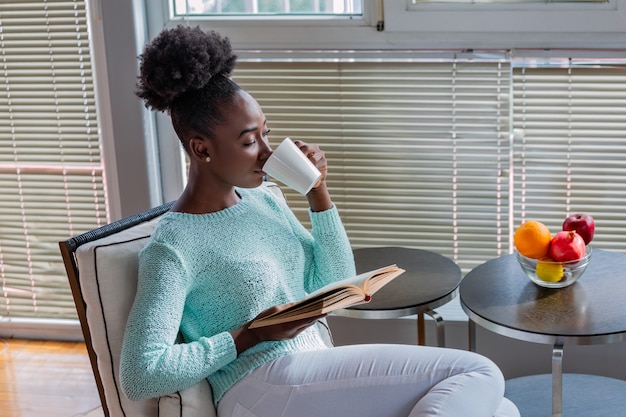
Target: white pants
372	381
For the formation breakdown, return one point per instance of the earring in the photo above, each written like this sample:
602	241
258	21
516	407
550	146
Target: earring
207	159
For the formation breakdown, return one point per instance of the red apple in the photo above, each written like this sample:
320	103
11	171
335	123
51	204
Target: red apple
567	246
583	224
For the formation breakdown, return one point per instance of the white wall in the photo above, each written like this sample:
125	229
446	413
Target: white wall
126	128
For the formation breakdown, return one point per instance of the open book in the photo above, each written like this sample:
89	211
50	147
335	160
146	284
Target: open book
341	294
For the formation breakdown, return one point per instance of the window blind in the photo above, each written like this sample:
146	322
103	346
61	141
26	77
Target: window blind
453	155
570	150
51	173
416	151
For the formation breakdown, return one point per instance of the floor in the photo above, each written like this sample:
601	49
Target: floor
46	379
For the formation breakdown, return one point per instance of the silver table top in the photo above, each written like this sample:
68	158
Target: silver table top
498	296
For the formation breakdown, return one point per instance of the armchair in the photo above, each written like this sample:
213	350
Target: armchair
101	266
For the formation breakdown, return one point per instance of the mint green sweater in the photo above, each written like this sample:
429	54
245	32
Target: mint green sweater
207	274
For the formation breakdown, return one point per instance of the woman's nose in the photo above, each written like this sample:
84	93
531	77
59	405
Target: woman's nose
266	150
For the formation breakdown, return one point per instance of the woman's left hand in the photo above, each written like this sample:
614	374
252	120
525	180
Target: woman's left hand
316	156
318	197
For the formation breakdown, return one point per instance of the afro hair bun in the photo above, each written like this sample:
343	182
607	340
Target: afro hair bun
179	60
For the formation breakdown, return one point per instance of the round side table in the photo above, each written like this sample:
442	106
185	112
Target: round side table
498	296
430	281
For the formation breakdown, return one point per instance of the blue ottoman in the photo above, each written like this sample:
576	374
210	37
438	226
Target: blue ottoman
583	395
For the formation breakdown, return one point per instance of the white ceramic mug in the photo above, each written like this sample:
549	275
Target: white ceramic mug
290	166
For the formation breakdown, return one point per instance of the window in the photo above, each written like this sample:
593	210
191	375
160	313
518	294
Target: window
506	25
569	144
415	148
51	172
267	7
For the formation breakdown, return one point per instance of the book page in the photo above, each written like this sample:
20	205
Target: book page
341	294
360	281
379	280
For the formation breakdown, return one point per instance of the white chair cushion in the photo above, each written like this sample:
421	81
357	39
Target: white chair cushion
188	403
108	280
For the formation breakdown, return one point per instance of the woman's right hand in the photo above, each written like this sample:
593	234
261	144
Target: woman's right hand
245	337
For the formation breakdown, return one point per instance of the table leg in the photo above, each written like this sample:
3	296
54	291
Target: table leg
557	380
421	333
441	331
472	335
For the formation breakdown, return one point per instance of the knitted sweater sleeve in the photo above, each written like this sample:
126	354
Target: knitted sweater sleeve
329	253
332	254
152	363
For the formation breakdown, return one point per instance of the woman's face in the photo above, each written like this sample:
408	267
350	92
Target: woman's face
240	146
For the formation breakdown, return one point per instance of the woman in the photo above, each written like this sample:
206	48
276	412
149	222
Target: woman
230	251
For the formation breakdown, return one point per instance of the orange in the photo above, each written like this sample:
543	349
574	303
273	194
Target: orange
532	239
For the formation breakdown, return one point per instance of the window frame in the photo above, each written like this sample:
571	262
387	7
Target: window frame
164	16
425	26
54	180
553	25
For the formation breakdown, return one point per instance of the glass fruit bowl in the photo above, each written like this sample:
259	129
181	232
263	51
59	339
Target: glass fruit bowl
550	274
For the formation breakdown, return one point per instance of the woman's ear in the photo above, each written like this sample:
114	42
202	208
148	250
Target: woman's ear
198	149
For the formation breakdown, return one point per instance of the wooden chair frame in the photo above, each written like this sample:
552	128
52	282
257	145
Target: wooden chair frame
68	249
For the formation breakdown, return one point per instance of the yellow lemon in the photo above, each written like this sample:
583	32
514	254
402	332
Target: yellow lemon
549	271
